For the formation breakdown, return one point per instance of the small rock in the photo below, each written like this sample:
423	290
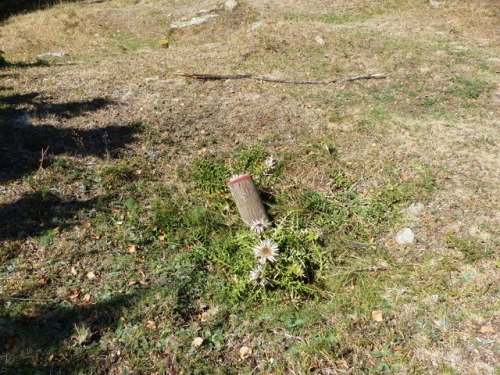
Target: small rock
415	208
53	54
405	236
252	96
23	120
193	21
434	4
320	40
229	5
257	25
493	59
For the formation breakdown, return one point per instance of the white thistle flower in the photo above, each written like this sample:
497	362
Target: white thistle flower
257	275
260	225
266	251
270	162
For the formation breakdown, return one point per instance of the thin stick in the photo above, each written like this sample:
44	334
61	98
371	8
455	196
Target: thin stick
215	76
44	152
325	82
279	80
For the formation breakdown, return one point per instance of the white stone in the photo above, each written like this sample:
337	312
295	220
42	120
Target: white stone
493	59
53	54
252	96
405	236
23	120
320	40
257	25
434	4
229	5
193	21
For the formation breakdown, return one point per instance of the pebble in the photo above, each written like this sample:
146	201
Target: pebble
405	236
320	40
53	54
252	96
493	59
257	25
23	120
229	5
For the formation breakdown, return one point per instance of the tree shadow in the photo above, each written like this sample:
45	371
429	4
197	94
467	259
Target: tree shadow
39	213
23	145
55	337
9	8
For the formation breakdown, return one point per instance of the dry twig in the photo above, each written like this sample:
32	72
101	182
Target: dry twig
215	76
44	152
279	80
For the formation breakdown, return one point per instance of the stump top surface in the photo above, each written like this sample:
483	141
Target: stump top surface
239	179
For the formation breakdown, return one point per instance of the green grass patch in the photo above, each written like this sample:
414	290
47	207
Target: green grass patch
469	88
472	248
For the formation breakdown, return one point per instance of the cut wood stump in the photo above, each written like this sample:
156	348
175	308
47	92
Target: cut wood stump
248	200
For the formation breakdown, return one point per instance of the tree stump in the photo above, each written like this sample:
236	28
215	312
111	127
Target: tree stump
248	200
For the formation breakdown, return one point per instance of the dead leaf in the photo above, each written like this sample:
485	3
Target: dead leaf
377	316
86	297
150	324
132	249
86	224
57	230
197	341
90	275
74	294
133	282
43	280
487	329
73	271
31	315
245	352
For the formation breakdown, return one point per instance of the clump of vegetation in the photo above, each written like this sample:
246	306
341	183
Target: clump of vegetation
472	248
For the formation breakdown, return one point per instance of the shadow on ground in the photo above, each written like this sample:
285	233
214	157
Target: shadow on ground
9	8
39	213
23	145
45	340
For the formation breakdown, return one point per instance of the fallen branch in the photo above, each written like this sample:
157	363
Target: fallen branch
325	82
279	80
215	76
